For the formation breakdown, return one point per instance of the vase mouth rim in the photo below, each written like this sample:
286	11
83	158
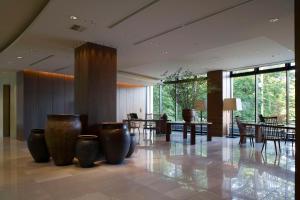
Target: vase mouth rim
112	123
88	137
38	130
63	116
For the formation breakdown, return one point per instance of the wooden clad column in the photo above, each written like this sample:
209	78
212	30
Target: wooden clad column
218	83
95	82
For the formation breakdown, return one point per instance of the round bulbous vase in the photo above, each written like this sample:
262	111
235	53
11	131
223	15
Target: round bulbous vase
87	150
188	115
115	141
37	145
132	145
61	136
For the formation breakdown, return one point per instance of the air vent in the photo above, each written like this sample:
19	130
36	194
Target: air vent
77	28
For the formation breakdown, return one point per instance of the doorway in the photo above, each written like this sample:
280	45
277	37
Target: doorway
6	110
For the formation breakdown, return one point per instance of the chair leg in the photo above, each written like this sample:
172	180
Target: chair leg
139	132
275	147
279	145
264	144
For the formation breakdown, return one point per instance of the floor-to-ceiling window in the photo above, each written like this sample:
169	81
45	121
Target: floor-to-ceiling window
271	94
244	88
164	103
266	90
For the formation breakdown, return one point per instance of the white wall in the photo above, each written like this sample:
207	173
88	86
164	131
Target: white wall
131	100
9	78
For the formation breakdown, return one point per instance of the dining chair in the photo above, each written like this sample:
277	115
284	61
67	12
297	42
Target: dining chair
133	125
268	120
272	132
290	136
245	131
151	126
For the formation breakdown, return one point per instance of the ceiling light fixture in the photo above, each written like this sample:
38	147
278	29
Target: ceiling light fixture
19	57
273	20
73	17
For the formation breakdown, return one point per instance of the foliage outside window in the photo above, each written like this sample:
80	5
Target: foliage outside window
291	100
187	88
244	88
271	94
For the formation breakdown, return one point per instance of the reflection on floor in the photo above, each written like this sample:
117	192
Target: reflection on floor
220	169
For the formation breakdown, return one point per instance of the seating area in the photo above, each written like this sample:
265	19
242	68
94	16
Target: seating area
146	100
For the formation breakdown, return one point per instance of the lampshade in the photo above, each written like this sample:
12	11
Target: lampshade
200	105
232	104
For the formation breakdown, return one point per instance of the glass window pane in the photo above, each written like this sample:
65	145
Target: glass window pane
244	88
291	88
243	71
272	67
271	94
201	91
156	109
168	106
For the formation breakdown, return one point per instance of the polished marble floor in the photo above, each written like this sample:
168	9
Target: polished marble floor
220	169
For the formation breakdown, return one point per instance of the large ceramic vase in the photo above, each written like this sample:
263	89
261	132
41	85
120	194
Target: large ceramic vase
37	145
188	115
115	141
132	145
87	150
61	136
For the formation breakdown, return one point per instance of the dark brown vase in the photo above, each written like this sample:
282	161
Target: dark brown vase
37	145
115	140
132	145
87	150
188	115
61	136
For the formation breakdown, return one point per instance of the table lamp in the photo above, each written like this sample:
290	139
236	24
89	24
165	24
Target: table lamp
232	104
200	105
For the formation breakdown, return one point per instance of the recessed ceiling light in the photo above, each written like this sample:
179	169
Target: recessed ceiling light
165	52
73	17
273	20
19	57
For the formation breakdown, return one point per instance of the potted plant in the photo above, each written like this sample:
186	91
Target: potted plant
186	92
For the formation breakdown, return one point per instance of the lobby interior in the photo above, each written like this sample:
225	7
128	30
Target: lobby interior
104	60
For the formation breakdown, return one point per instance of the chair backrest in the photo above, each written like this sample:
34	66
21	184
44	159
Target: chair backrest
149	116
271	131
271	120
241	126
133	116
261	118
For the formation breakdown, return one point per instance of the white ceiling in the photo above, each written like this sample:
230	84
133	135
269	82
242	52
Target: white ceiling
226	36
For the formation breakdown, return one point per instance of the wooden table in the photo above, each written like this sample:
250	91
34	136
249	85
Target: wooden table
258	134
192	125
160	124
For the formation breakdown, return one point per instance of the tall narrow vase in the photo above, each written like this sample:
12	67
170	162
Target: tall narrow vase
37	145
61	136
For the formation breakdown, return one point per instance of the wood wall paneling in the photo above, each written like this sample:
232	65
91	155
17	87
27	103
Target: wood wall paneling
40	94
6	110
58	95
68	95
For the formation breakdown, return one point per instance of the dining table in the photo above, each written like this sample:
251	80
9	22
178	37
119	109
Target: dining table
258	133
186	125
160	124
